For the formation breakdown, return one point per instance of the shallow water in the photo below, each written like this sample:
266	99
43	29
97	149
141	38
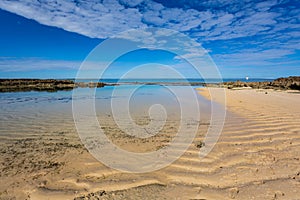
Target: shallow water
27	113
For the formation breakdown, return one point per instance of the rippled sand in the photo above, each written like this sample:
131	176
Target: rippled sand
257	157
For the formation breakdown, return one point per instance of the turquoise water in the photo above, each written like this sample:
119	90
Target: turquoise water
27	112
188	80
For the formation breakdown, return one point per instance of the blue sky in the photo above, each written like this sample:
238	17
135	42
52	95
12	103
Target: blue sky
50	39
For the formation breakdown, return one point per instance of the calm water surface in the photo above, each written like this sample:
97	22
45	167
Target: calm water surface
25	113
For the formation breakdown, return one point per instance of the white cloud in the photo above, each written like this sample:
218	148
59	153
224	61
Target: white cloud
152	17
30	64
253	57
131	3
90	18
208	20
102	19
265	5
11	64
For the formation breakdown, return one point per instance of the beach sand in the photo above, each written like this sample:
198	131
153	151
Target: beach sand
257	157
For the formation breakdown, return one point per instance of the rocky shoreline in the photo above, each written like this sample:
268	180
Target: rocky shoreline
49	85
53	85
288	83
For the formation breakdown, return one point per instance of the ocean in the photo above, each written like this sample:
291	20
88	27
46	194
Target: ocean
30	113
189	80
24	113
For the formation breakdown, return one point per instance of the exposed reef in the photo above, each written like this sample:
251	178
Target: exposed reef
53	85
49	85
289	83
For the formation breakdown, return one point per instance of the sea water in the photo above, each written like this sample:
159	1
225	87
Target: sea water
25	113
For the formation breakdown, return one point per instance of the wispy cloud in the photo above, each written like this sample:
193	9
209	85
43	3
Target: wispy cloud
11	64
253	31
102	19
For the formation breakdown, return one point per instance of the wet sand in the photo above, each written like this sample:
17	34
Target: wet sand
257	157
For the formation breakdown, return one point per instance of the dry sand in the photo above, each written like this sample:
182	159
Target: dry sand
257	157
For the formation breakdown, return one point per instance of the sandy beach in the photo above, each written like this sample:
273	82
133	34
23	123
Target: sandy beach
149	100
256	157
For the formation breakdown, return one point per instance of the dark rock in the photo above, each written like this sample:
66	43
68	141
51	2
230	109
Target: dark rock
289	83
49	85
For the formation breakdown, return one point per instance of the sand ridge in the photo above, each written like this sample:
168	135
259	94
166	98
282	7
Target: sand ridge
257	157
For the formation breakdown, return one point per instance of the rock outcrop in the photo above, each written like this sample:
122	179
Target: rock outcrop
289	83
50	85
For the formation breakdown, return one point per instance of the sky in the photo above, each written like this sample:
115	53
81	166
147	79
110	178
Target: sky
50	39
